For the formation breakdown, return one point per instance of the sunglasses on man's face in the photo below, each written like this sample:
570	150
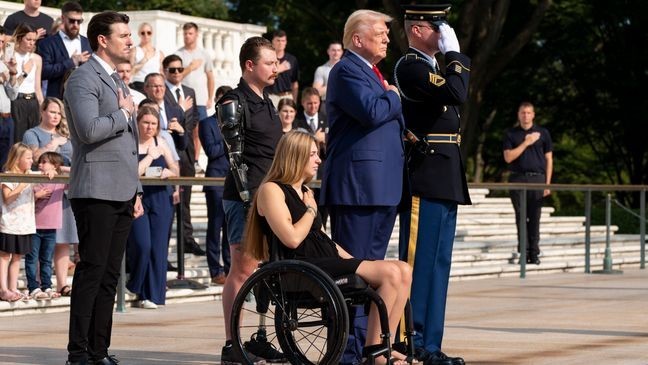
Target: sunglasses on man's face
146	32
173	70
75	21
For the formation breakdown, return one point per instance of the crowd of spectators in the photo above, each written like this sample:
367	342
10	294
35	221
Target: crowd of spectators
37	55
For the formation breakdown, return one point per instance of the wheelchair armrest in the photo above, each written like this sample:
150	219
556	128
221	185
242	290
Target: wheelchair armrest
351	282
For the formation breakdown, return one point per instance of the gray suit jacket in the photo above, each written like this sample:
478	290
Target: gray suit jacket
104	164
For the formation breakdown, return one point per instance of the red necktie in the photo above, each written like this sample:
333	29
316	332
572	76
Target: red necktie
380	76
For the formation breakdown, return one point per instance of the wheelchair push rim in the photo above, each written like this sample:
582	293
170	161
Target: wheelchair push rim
294	307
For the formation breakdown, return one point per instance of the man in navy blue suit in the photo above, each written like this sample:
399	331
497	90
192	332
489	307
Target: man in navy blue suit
362	179
65	50
183	97
218	165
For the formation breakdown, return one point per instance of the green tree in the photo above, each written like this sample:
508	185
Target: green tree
585	70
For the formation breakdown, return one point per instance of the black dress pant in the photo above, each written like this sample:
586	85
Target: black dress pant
187	169
216	246
25	114
533	210
103	228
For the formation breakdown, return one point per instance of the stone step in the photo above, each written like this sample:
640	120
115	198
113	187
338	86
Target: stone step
493	245
572	265
597	251
545	230
547	220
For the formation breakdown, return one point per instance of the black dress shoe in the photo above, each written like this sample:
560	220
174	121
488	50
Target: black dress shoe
457	360
80	362
108	360
438	358
194	249
533	260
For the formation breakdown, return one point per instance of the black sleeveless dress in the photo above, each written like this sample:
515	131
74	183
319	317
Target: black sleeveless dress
317	248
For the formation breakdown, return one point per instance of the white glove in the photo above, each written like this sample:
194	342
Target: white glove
448	40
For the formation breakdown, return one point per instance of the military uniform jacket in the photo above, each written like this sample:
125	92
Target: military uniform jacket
431	103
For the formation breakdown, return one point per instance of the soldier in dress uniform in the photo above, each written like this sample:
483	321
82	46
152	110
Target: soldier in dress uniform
437	182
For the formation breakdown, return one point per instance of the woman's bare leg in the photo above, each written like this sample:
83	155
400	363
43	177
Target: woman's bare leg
391	281
14	270
5	257
61	262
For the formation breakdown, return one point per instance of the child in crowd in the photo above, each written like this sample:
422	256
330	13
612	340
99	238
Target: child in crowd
17	221
49	211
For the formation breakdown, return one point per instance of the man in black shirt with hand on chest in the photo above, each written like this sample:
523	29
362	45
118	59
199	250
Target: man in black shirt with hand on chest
528	151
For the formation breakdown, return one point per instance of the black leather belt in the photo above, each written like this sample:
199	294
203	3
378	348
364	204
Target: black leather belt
454	138
26	96
530	173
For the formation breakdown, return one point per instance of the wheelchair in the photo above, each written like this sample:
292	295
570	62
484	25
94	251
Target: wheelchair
298	309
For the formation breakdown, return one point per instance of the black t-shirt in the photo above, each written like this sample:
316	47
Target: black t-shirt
41	21
261	137
285	79
533	158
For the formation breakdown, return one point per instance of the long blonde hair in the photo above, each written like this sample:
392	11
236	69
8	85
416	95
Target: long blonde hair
62	128
288	166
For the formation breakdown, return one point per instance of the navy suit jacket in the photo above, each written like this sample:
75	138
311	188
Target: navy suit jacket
300	122
56	62
174	111
189	120
214	147
365	158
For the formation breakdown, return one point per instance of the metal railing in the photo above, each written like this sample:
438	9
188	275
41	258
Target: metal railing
587	189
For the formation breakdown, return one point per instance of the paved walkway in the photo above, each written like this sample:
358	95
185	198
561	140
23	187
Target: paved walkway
548	319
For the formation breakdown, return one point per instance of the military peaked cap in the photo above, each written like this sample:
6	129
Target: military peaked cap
433	13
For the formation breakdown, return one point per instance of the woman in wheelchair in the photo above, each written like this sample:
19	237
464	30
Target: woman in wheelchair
284	207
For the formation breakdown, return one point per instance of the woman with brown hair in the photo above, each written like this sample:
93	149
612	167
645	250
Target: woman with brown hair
287	111
26	82
148	241
284	208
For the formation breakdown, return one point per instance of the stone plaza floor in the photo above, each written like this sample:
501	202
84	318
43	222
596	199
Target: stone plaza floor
568	318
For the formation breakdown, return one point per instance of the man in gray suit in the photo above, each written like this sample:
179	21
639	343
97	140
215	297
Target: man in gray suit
104	184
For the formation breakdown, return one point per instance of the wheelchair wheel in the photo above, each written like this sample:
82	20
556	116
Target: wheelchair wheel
293	307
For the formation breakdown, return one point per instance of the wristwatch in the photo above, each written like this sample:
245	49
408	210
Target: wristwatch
24	75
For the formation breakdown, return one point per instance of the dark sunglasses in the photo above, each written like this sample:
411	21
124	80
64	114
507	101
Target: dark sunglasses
146	32
75	21
173	70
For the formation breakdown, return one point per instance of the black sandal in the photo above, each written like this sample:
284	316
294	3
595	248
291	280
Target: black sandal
65	291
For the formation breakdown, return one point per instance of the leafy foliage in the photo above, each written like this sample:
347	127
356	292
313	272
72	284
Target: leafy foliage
583	69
